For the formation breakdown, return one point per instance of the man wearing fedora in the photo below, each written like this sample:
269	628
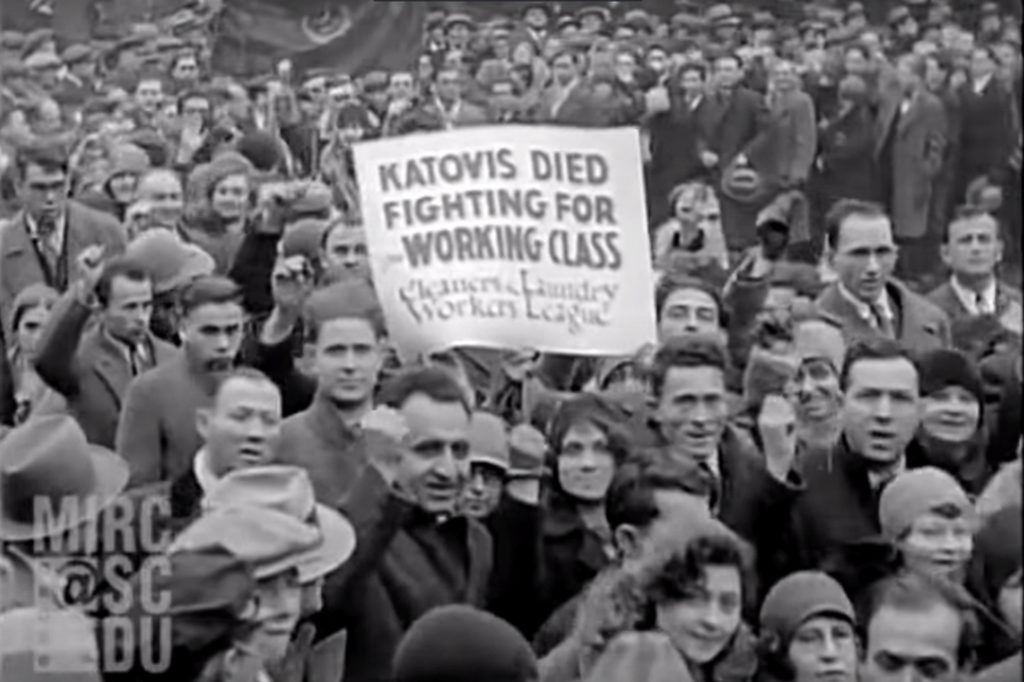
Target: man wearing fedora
91	366
47	462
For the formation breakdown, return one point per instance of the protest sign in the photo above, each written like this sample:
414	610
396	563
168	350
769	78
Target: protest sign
510	237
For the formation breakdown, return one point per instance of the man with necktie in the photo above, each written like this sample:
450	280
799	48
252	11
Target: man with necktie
866	298
92	364
41	243
972	249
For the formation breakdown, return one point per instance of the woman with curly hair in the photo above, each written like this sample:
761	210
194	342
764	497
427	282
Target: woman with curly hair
676	615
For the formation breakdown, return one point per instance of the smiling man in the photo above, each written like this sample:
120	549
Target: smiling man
419	552
880	415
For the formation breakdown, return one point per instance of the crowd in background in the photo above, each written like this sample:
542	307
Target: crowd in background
814	473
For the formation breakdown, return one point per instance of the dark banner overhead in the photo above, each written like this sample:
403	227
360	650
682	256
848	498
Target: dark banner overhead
354	36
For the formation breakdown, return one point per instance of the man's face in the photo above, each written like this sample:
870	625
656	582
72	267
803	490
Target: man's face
458	34
564	69
129	309
161	191
692	82
676	509
149	95
345	250
934	74
982	64
865	255
918	645
974	248
882	408
347	361
692	410
437	461
727	72
212	335
45	192
448	85
688	311
186	69
195	107
657	61
906	74
402	86
242	427
854	63
536	18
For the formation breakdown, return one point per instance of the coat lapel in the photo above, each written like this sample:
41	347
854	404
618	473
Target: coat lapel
20	263
884	122
110	363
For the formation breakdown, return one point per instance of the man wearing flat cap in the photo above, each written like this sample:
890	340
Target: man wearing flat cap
593	19
903	27
536	17
458	30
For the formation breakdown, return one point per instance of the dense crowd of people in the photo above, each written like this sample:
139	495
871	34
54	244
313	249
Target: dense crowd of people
813	473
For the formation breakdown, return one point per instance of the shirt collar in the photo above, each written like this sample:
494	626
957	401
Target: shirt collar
204	472
864	309
33	226
969	298
981	83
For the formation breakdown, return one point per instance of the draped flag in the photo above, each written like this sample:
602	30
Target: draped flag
354	35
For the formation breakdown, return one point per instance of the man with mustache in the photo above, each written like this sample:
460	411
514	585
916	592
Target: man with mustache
880	415
157	433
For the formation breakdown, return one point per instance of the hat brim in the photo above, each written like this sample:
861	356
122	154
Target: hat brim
496	462
111	475
338	545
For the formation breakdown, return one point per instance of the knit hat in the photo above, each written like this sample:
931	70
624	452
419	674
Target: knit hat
641	656
799	597
941	368
767	373
261	149
169	261
488	440
32	296
914	493
302	238
459	643
818	338
224	166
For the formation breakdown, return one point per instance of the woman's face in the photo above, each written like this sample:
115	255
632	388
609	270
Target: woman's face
231	197
816	392
937	545
482	493
702	624
122	187
522	53
30	328
1011	603
275	611
585	462
823	648
951	415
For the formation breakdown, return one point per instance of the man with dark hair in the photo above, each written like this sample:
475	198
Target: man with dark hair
157	432
650	497
691	423
918	624
867	299
417	552
92	367
972	250
42	242
881	413
344	330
